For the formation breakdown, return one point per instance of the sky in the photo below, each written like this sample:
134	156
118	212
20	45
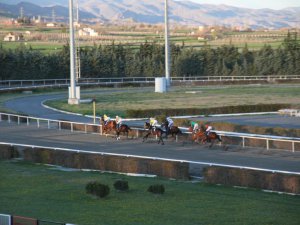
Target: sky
254	4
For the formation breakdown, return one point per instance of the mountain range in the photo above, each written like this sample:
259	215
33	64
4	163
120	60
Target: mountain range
152	11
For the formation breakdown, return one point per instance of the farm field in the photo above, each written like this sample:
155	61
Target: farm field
189	97
132	39
53	194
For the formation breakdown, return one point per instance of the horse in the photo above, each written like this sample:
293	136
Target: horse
174	130
109	126
157	132
201	135
122	129
112	126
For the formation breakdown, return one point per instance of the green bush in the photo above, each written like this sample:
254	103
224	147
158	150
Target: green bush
121	185
156	189
98	189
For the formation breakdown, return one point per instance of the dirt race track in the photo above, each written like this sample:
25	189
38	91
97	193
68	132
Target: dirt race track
235	155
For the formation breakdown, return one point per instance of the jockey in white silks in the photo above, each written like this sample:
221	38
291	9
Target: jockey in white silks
118	122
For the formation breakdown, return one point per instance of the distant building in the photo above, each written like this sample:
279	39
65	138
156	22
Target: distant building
14	37
51	25
87	32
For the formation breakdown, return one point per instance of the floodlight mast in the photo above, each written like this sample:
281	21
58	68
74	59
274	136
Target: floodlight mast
167	51
72	89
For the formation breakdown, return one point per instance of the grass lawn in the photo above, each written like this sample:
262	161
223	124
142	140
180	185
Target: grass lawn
201	97
46	193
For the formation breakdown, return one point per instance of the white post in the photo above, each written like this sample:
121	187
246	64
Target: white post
72	92
167	51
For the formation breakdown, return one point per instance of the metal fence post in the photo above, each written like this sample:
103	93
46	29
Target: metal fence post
38	123
48	124
243	142
18	120
293	146
71	127
27	121
8	118
267	144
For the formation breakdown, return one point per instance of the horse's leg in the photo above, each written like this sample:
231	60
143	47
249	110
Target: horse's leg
212	143
161	139
146	136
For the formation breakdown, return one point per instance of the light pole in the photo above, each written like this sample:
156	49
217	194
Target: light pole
74	92
167	51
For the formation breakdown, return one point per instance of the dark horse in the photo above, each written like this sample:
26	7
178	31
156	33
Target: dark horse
157	132
174	130
200	135
112	126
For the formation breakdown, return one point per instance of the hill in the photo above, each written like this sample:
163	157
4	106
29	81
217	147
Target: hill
149	11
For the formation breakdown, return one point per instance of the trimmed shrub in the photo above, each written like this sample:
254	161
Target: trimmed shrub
98	189
156	189
121	185
206	111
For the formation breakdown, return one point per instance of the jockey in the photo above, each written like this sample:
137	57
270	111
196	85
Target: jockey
106	119
170	123
208	129
118	121
195	126
153	123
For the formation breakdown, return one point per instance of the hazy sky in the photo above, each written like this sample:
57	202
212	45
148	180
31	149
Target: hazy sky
254	4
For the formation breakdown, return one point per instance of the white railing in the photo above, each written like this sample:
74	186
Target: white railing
96	128
118	80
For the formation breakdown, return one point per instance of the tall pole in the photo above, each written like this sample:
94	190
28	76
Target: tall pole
72	89
167	51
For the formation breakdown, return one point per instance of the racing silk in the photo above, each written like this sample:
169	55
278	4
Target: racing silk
170	122
153	122
195	126
118	120
208	129
106	119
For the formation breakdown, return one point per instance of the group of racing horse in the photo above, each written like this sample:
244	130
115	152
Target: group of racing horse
198	136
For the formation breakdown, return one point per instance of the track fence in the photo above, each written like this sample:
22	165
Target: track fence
243	139
16	84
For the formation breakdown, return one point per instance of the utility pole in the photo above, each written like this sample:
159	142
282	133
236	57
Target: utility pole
167	50
74	92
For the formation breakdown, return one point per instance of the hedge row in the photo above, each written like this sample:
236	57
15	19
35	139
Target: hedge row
205	111
123	164
252	178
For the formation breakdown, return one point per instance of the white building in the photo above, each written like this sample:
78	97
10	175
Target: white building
13	37
87	31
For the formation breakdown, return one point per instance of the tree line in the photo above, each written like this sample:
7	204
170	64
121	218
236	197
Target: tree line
117	60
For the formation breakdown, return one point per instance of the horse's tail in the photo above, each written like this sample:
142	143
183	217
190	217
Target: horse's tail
219	137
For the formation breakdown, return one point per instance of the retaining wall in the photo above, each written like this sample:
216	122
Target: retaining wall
98	161
279	182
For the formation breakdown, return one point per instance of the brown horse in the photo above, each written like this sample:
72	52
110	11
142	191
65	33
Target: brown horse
174	130
112	126
157	132
122	129
200	135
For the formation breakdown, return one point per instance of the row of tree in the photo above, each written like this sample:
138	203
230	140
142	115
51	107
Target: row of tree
148	61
